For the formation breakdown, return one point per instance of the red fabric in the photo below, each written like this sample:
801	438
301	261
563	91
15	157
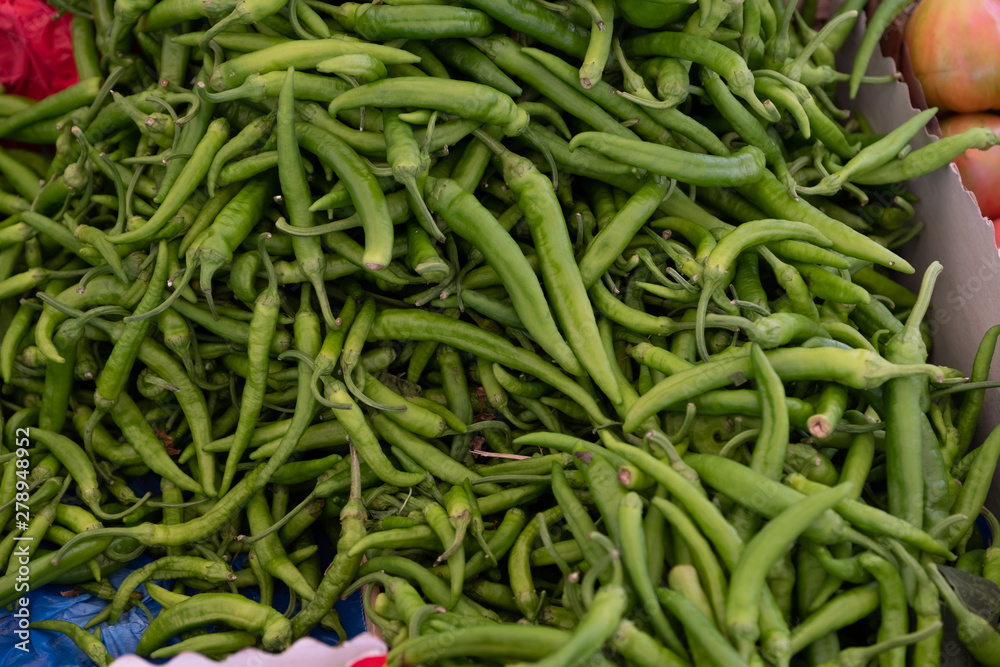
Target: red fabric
37	52
374	661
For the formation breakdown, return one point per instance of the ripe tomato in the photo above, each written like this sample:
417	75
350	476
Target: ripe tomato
980	170
954	46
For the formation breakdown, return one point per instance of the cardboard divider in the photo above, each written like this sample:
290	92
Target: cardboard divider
966	300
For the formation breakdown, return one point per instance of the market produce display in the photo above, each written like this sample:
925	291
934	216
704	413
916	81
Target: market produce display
564	323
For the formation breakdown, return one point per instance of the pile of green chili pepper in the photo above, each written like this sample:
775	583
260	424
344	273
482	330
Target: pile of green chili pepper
565	323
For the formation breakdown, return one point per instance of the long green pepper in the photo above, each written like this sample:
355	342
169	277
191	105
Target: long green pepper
265	320
295	195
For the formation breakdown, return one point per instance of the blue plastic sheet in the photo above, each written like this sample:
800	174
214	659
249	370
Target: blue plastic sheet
51	649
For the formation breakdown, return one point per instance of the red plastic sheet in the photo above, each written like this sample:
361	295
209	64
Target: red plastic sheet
36	53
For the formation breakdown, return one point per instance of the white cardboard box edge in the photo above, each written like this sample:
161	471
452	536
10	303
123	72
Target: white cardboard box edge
966	300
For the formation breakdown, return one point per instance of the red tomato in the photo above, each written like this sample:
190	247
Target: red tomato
996	231
954	46
980	170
